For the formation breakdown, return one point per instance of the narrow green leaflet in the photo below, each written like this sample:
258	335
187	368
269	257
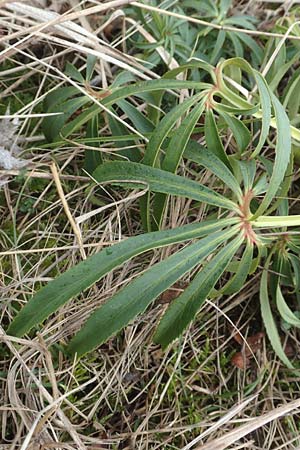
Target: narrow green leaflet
154	107
276	221
224	7
265	101
90	66
200	155
134	298
279	75
283	191
240	132
140	122
282	155
75	124
268	318
112	98
149	86
222	107
295	263
92	158
237	44
164	127
174	153
66	286
72	72
236	283
152	150
292	98
255	48
248	172
184	308
122	78
59	96
180	139
218	47
193	64
212	138
118	130
52	125
159	181
285	311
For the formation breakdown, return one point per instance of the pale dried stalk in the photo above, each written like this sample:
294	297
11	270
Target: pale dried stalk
64	202
210	24
233	436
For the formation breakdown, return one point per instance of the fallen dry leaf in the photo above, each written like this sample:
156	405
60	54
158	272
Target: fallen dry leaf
249	347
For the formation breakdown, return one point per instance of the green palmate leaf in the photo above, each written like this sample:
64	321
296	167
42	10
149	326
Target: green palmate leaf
283	146
236	283
285	311
83	275
199	154
282	155
159	181
174	153
134	298
212	138
268	318
184	308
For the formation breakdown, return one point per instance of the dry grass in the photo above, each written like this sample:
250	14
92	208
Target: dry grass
128	394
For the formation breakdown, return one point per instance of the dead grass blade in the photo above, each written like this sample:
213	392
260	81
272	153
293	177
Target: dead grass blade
233	436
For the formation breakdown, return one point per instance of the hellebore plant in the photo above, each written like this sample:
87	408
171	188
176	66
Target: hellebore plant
256	188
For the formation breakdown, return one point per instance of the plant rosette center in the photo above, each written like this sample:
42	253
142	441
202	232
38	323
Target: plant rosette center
245	217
